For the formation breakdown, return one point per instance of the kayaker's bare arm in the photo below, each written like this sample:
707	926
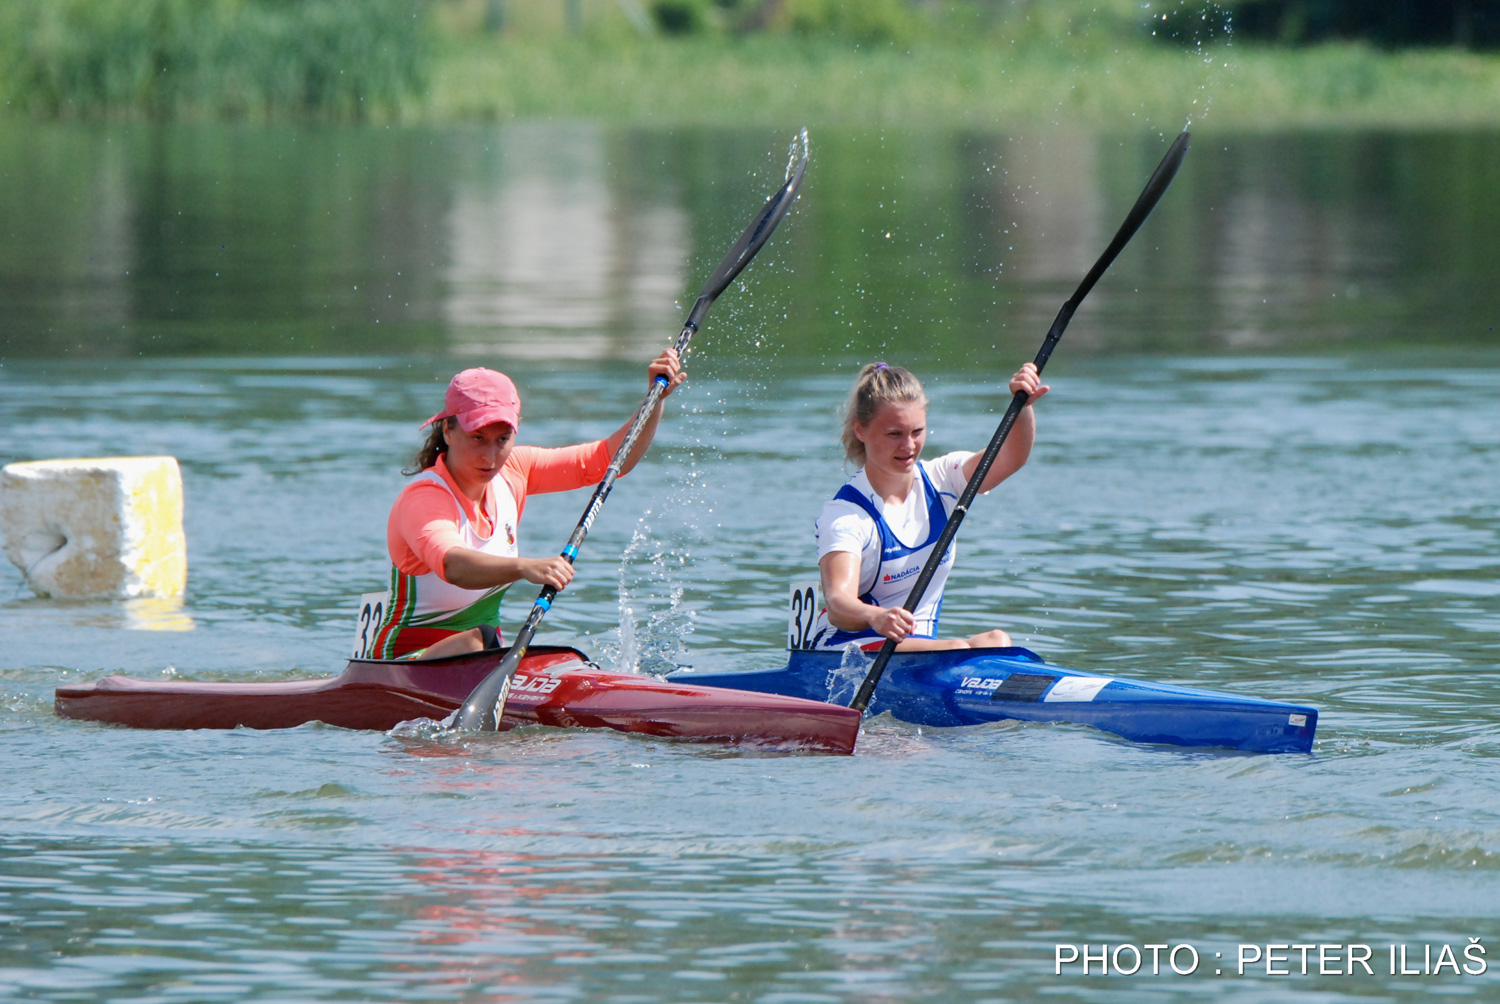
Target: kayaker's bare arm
846	611
667	365
1017	449
474	570
840	574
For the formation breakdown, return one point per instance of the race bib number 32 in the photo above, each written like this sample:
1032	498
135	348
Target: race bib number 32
801	615
372	607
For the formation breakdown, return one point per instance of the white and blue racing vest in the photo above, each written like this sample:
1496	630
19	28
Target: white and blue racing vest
897	569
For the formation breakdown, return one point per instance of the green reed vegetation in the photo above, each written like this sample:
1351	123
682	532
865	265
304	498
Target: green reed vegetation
343	59
978	63
939	82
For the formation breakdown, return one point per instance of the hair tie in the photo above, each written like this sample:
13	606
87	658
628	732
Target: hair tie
881	366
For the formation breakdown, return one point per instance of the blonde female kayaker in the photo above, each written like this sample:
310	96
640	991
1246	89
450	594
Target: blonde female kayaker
452	531
875	534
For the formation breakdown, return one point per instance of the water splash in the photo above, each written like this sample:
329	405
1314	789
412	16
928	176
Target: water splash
427	729
844	679
657	645
1212	44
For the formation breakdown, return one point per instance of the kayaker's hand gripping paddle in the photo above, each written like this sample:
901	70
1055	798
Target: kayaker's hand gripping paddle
486	704
1160	179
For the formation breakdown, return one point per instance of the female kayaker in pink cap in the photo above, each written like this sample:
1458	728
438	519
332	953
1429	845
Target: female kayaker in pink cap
452	532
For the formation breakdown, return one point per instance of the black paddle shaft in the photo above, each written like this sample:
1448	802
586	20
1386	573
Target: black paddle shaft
1160	179
486	703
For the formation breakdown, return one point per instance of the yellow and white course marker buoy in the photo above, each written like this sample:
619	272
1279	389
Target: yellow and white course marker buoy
104	527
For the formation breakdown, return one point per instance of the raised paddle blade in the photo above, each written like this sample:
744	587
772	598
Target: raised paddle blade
1144	203
756	234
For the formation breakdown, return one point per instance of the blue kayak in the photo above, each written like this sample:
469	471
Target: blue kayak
974	686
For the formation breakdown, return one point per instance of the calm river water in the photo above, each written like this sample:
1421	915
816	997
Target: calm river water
1270	465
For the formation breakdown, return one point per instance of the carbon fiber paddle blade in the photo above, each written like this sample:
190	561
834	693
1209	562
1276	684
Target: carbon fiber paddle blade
1155	188
756	234
482	711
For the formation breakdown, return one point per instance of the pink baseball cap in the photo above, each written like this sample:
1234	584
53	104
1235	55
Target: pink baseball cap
478	397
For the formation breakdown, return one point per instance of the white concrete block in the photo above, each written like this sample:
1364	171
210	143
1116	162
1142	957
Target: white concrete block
110	526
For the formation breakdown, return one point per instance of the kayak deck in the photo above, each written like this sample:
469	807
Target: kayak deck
553	686
974	686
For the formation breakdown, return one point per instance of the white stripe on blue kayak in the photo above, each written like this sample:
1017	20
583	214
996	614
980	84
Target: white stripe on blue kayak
1076	689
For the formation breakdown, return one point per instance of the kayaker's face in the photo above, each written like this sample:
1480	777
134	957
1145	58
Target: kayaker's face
894	437
476	457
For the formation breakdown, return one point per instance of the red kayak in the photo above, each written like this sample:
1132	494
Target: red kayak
552	686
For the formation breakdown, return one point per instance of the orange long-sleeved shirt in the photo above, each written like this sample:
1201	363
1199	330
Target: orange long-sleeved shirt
423	525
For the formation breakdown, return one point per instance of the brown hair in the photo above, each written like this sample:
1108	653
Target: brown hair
434	447
877	384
